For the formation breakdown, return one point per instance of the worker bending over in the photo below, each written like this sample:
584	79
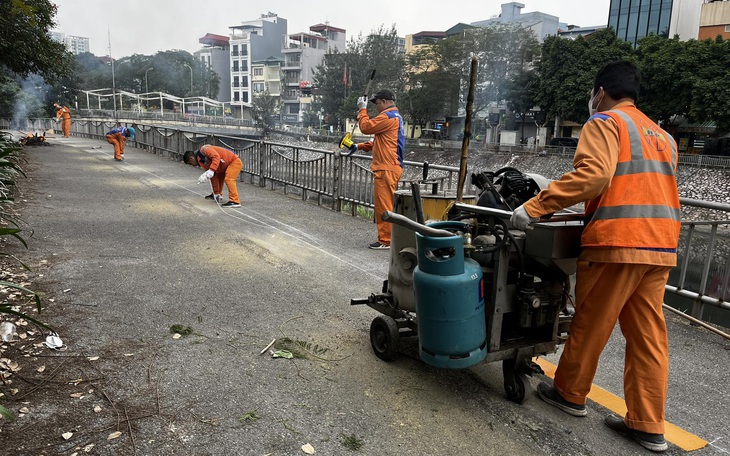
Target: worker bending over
221	165
117	137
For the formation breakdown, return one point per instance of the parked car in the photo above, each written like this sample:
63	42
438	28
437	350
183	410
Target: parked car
564	142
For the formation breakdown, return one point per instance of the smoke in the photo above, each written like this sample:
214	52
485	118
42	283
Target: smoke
30	100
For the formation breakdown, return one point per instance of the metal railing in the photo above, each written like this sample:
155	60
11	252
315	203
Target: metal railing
345	183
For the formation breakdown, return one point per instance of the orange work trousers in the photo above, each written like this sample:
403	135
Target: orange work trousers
228	176
66	127
385	183
633	295
117	140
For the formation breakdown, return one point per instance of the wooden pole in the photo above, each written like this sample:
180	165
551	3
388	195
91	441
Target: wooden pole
467	130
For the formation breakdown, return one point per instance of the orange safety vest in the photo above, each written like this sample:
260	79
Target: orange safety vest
640	209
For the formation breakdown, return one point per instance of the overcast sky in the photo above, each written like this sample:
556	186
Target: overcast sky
149	26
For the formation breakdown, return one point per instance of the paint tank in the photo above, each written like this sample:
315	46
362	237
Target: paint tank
449	292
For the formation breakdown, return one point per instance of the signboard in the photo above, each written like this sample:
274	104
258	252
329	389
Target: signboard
290	117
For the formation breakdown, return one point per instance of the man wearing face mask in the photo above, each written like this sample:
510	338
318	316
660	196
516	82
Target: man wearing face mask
625	167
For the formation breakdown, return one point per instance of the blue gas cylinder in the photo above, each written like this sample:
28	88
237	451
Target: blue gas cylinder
449	292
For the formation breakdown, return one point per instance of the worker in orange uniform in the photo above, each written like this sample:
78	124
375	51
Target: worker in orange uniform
625	168
117	137
64	114
387	149
220	165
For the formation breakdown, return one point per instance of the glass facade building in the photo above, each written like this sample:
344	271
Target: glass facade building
635	19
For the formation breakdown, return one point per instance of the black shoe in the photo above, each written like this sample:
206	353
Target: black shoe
209	197
231	204
378	246
653	442
550	395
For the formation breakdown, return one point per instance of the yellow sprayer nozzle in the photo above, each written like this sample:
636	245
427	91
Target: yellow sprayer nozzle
346	141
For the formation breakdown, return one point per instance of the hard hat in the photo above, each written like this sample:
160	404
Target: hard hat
131	131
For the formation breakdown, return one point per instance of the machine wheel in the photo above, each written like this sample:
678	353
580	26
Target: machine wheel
384	337
517	392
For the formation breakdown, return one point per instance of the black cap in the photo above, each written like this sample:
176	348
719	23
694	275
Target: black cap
383	94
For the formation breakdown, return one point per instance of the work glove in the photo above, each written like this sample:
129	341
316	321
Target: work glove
352	149
362	103
203	177
521	219
209	174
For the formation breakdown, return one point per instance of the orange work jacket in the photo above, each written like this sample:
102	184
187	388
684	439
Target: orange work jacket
390	139
215	158
625	168
63	112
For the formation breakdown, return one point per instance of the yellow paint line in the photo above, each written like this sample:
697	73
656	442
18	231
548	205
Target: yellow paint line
674	434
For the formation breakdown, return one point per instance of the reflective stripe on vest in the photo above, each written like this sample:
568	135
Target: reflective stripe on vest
625	217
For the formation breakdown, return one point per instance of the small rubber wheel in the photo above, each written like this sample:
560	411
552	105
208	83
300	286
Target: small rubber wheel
518	393
384	337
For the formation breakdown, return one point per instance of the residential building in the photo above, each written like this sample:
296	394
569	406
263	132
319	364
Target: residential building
715	19
266	76
421	40
635	19
252	41
216	57
303	52
74	44
542	24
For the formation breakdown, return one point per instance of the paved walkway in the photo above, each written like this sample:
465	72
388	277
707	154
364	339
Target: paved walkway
133	248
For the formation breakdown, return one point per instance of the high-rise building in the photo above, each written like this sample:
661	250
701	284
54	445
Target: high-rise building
635	19
74	44
252	41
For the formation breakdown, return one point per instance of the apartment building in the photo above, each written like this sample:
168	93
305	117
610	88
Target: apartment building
74	44
266	76
303	52
542	24
252	41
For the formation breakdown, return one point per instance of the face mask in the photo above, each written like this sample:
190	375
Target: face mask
591	109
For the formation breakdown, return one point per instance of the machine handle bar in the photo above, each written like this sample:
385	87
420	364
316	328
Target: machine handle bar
560	217
405	222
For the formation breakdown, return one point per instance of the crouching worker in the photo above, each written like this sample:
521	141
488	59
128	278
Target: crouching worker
117	137
221	165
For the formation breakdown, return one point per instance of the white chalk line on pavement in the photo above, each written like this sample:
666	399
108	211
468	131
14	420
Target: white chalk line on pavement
259	218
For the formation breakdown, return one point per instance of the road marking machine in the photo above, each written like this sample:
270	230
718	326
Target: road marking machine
471	288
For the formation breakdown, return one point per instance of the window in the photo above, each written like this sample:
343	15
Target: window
234	49
258	87
727	28
236	96
293	109
244	65
235	81
244	81
244	96
235	65
258	71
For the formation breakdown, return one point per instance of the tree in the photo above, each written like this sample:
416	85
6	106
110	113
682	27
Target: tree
430	93
263	109
520	96
26	46
502	51
566	70
343	77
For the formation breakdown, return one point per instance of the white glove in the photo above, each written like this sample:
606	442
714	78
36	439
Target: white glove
209	174
362	103
521	219
202	178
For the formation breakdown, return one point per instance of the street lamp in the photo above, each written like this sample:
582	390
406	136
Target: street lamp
191	77
146	88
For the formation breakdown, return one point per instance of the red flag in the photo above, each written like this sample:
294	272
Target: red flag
344	76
